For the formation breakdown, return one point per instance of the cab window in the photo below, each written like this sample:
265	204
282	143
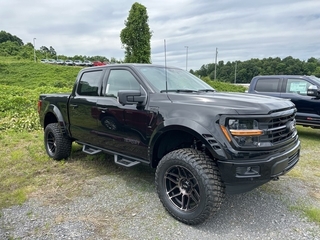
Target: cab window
89	83
120	79
298	86
267	85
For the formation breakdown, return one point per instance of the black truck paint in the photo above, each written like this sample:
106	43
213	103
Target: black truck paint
303	91
202	143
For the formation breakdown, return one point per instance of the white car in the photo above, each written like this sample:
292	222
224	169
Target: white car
60	62
69	62
52	61
77	62
87	63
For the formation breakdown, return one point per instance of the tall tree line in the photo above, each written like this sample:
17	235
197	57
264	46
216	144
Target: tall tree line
11	45
243	72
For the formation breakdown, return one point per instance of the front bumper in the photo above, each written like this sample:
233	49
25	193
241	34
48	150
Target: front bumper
244	175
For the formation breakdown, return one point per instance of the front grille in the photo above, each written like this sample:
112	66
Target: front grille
278	128
281	128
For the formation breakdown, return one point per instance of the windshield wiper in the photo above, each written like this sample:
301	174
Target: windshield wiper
178	90
206	90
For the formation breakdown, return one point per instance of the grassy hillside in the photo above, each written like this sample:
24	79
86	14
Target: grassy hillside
30	75
21	82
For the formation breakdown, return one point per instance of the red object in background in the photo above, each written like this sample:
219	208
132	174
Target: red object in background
98	63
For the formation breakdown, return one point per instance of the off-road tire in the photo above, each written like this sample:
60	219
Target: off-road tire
189	175
57	146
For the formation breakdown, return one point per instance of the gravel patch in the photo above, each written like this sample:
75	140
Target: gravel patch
122	207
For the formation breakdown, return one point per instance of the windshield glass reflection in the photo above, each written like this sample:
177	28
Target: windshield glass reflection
177	79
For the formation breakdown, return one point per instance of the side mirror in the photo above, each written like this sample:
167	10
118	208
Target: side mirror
313	91
130	97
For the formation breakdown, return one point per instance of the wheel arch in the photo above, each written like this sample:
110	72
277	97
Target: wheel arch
54	115
178	133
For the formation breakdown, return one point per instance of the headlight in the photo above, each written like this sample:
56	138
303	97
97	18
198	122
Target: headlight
245	132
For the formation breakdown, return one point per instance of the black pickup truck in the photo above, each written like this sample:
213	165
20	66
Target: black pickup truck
202	143
303	91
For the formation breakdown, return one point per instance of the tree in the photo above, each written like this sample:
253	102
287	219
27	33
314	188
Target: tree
4	37
52	51
135	37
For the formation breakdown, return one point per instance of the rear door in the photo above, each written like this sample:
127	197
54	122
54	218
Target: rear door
82	105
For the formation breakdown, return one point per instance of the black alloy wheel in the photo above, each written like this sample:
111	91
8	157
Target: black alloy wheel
56	144
189	185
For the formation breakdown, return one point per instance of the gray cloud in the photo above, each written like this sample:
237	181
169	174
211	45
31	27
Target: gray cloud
241	30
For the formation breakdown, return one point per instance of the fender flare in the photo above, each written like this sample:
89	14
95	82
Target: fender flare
59	118
191	127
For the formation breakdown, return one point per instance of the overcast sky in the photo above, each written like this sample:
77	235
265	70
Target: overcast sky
241	30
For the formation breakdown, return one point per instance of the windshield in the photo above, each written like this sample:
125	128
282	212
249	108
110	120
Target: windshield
177	79
315	79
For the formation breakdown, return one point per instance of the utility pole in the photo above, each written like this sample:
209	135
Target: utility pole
215	65
186	57
34	50
235	73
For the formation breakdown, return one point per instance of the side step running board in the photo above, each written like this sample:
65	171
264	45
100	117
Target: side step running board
124	162
90	150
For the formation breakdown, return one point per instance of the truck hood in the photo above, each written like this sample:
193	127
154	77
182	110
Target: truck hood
241	103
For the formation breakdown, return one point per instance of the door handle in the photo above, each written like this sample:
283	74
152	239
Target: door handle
102	108
73	106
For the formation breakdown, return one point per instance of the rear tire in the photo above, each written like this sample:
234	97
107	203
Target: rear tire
57	146
189	185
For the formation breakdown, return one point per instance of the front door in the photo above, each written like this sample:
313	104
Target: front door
122	129
307	106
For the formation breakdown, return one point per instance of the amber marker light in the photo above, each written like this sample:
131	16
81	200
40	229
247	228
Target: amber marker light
225	132
246	132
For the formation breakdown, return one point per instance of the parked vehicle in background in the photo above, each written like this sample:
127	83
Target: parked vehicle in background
98	63
303	91
202	143
44	60
52	61
60	62
87	63
69	62
77	63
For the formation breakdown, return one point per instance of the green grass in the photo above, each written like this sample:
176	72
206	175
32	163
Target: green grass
223	86
21	82
309	164
30	75
312	213
26	169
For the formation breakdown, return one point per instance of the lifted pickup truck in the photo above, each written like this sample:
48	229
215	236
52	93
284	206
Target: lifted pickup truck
202	143
303	91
